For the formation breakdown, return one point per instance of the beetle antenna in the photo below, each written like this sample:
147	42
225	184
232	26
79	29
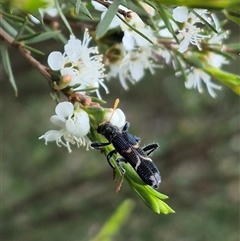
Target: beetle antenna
114	107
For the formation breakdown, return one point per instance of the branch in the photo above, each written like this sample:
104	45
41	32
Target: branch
73	97
26	53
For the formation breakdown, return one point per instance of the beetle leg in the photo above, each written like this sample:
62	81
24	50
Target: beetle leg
99	145
126	126
150	148
109	156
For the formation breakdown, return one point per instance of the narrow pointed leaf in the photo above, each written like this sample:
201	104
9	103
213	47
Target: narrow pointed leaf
8	68
80	7
166	19
41	37
63	16
106	21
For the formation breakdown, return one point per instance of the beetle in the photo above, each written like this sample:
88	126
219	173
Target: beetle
128	147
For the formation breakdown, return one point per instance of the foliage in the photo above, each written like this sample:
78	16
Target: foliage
132	39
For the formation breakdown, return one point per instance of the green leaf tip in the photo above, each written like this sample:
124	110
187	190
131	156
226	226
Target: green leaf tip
151	197
229	79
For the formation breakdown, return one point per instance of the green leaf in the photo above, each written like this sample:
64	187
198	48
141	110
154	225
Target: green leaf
105	22
29	5
214	4
151	197
12	17
80	7
39	37
233	15
229	79
63	17
235	47
5	25
165	16
8	68
137	6
135	30
112	226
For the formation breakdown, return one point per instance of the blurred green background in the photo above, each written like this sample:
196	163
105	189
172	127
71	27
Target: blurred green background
49	194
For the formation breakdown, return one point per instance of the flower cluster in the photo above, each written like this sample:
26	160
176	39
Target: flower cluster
136	53
191	34
74	126
80	66
129	59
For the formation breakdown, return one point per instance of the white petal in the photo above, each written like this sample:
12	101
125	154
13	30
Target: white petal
128	41
98	6
80	126
142	42
64	109
137	71
180	14
55	60
52	12
70	126
51	135
73	73
33	19
118	119
58	121
115	21
183	46
190	81
113	72
73	48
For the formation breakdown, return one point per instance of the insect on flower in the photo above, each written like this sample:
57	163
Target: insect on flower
128	147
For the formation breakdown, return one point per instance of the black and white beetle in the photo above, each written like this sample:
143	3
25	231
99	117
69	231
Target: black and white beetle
128	147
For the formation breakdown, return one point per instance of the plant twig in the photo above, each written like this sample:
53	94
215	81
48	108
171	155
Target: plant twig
26	53
77	97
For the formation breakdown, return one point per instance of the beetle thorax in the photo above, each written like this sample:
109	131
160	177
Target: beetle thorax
108	130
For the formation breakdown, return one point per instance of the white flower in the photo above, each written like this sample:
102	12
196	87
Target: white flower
118	118
113	58
74	126
216	60
132	39
195	79
133	65
114	70
82	63
190	33
180	14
